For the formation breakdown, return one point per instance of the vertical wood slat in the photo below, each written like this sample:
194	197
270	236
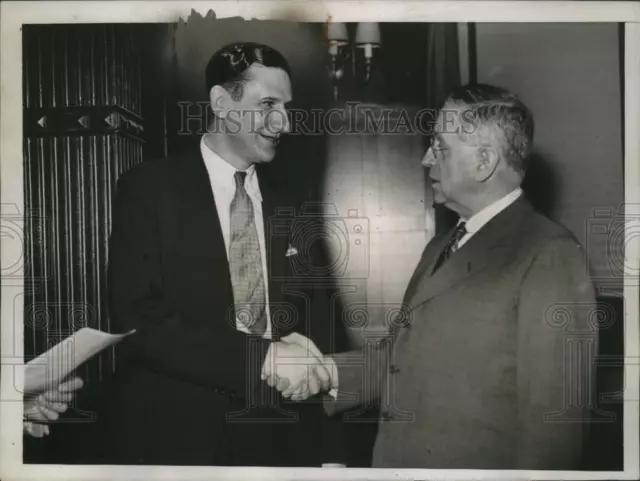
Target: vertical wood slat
95	259
114	74
126	80
30	250
70	177
50	60
57	254
92	66
40	71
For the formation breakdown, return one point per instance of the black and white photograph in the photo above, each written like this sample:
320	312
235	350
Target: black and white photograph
367	240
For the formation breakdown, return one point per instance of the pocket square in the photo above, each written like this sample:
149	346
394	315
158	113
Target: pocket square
291	251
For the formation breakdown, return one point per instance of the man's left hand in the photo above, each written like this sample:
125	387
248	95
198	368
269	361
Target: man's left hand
48	406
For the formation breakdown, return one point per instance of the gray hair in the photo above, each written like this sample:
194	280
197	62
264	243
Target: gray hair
497	107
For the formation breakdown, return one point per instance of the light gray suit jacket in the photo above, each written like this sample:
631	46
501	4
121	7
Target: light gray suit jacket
493	367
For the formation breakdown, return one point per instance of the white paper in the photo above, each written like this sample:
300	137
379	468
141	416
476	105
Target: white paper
50	368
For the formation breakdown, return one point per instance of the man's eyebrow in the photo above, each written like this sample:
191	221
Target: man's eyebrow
271	98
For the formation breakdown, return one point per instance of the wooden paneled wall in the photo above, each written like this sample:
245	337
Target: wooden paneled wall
381	195
83	127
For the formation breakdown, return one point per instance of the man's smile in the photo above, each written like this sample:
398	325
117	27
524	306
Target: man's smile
274	139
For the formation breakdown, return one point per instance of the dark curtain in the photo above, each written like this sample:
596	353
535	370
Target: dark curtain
443	62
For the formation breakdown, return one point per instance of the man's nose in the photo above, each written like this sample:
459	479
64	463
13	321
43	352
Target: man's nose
286	128
429	159
278	121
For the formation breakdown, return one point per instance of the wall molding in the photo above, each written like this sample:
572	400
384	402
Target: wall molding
80	121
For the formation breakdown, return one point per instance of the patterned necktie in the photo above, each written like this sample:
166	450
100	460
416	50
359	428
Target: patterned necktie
245	262
451	246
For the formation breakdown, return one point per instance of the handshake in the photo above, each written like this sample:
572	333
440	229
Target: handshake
297	368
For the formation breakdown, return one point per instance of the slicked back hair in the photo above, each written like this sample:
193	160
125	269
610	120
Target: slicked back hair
228	66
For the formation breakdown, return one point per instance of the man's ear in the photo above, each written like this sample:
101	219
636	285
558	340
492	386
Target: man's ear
220	101
488	159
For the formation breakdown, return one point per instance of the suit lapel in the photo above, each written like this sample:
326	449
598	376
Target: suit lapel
275	245
202	228
471	257
426	264
203	234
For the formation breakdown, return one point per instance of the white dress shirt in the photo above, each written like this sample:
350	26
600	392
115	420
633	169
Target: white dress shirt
223	184
478	220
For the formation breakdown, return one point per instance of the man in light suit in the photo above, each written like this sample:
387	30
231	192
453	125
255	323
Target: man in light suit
491	366
195	268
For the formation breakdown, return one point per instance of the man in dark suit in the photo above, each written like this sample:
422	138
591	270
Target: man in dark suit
491	366
195	268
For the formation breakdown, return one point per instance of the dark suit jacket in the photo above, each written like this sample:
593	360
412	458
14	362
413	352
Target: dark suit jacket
187	371
485	373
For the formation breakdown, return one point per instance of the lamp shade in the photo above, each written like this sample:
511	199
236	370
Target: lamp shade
368	33
337	33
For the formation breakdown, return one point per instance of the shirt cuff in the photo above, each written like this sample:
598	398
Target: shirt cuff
333	372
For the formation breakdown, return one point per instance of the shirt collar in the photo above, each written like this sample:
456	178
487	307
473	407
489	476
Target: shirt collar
222	172
479	219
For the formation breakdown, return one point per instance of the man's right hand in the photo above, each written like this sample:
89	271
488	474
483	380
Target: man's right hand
295	370
328	362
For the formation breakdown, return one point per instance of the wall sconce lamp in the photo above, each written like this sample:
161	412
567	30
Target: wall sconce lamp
338	41
367	38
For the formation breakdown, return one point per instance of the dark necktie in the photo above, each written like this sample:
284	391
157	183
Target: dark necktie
451	246
245	262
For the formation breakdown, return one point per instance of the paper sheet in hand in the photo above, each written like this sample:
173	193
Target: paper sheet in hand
50	368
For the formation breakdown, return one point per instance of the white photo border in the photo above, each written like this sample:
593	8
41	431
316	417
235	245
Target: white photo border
13	14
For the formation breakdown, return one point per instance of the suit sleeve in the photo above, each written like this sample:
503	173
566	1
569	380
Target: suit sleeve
167	341
361	376
555	367
325	329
